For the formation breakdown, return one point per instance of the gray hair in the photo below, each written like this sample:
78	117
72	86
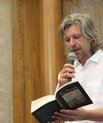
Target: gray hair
87	28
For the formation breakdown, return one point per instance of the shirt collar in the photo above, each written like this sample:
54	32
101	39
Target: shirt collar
94	58
97	56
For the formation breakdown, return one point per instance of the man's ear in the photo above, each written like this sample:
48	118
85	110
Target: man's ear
91	41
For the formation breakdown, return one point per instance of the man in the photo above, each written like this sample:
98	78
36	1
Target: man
81	37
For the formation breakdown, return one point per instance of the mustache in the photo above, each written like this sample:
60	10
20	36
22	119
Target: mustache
73	49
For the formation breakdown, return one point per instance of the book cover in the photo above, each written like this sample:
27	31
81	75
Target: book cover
69	96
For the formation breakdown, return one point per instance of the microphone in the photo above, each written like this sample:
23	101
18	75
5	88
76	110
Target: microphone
72	58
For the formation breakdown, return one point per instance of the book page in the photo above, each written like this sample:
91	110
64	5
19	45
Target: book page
41	101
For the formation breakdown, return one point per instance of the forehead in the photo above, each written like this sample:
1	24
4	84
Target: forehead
73	29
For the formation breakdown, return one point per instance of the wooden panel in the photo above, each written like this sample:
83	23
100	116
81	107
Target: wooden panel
30	59
18	74
50	43
37	53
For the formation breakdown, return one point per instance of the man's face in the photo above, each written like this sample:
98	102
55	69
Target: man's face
77	42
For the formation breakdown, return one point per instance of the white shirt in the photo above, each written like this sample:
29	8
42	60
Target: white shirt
90	77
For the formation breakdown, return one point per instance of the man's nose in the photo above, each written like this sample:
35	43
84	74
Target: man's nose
72	42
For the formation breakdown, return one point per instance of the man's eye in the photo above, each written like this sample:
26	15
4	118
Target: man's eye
77	36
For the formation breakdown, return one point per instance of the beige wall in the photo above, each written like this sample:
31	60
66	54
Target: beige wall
6	97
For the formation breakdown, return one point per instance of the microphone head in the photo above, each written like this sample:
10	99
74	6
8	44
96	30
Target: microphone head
72	57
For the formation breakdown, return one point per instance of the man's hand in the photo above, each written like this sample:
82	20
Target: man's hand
66	73
71	115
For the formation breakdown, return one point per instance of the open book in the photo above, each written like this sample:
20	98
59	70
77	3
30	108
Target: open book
69	96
